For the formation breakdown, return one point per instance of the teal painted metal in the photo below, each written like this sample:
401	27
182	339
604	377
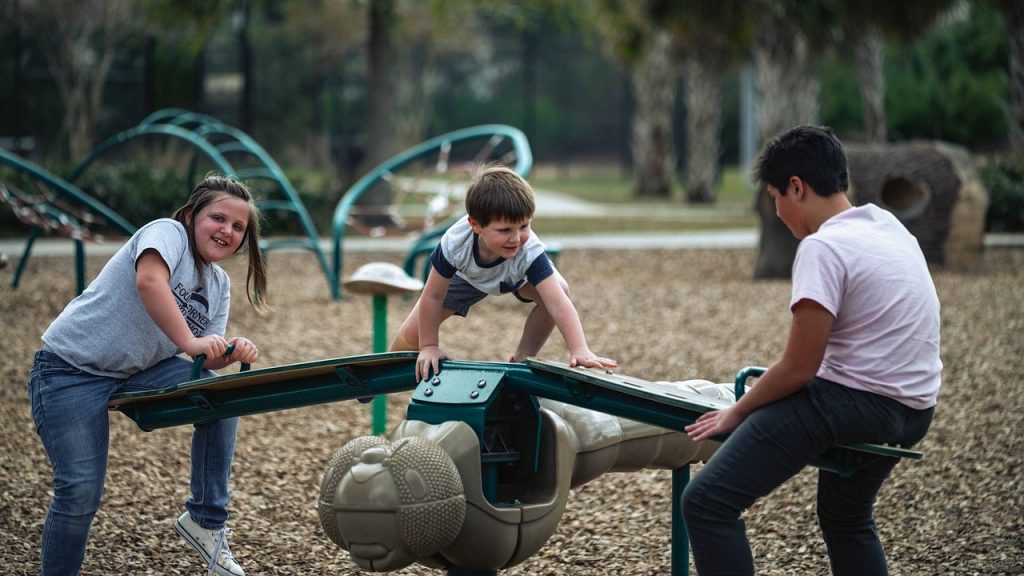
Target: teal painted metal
848	459
165	130
269	389
680	538
486	132
456	391
506	421
272	172
380	344
202	132
29	242
197	364
67	191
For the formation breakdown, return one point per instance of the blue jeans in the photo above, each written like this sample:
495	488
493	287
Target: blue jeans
776	442
69	407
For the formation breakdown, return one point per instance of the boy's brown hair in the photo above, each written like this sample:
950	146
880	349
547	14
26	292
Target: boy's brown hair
499	193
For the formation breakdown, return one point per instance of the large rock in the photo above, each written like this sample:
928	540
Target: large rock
933	188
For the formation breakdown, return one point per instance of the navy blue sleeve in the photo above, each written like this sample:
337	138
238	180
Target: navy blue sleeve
539	270
440	263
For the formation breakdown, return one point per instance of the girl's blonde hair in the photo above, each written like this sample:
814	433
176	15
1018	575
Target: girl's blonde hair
211	189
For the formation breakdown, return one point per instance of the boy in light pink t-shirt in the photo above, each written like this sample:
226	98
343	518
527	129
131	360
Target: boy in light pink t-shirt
861	365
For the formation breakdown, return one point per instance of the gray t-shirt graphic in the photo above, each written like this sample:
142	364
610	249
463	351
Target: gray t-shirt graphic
108	332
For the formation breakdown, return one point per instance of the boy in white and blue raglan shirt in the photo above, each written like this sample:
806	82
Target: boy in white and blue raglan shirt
861	364
492	250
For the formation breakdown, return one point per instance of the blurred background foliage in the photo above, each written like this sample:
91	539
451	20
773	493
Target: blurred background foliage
302	78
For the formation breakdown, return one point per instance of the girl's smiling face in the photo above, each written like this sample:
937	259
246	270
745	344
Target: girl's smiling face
219	227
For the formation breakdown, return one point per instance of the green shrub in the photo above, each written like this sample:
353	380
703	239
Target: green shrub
138	191
1005	182
314	190
141	192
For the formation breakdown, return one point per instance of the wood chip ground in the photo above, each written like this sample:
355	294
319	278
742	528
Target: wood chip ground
662	314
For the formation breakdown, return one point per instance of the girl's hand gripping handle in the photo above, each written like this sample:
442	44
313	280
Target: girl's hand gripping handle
197	364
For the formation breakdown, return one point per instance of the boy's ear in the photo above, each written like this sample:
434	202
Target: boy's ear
474	224
799	188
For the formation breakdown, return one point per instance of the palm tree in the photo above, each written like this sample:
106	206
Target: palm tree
1013	15
711	35
649	53
866	26
788	96
380	84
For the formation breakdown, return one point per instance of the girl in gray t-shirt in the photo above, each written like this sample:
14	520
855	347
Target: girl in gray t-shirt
160	295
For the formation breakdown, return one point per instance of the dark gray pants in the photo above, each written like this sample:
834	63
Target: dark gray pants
775	443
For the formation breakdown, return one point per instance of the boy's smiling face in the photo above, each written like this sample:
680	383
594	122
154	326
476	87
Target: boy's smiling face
501	238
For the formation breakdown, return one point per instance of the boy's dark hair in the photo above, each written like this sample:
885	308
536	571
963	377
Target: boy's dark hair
211	189
811	153
499	193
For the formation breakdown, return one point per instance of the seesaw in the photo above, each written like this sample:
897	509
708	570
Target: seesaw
268	389
476	478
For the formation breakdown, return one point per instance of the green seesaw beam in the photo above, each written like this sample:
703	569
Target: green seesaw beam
269	389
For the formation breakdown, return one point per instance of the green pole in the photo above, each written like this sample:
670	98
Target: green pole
680	540
80	265
380	344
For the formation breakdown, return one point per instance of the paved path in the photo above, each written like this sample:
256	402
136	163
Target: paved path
740	238
548	204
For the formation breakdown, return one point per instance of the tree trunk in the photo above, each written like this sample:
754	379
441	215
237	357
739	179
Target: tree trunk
788	97
654	86
413	97
868	50
1013	14
704	67
78	40
380	86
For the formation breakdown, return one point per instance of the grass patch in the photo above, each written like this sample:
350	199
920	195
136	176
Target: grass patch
595	225
608	185
605	184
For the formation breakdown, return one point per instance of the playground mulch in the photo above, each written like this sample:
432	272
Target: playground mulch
663	314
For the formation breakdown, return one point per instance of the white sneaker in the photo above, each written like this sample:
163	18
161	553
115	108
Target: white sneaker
210	544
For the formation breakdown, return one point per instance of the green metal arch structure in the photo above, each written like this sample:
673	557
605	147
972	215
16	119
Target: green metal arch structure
67	191
492	138
215	140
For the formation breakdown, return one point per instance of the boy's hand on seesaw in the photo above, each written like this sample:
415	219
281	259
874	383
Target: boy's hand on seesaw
429	361
588	359
713	424
245	351
212	346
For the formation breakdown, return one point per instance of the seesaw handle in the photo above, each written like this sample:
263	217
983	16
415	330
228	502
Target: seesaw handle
743	375
197	364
